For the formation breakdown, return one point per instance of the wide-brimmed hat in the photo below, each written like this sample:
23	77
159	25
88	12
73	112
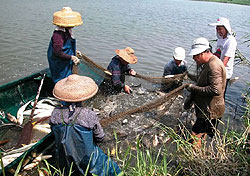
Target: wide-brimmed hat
223	22
199	45
75	88
179	53
67	18
127	54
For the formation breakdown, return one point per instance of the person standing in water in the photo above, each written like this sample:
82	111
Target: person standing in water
176	66
226	45
207	93
62	47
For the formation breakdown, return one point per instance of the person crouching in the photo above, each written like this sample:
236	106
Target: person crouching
118	67
177	65
77	129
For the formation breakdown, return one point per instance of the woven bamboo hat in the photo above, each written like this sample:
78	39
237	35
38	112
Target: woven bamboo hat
127	54
75	88
67	18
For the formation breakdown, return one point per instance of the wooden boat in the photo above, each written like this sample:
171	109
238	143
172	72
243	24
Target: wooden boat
15	94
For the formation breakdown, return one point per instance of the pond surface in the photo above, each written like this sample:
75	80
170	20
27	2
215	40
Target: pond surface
152	28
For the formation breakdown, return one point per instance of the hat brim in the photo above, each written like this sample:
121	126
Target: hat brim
196	51
215	24
79	99
228	28
75	88
179	58
67	25
124	55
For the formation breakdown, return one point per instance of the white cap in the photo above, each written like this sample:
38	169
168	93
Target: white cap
199	46
179	53
223	22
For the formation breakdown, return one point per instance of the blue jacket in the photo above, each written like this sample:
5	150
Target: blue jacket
172	69
118	71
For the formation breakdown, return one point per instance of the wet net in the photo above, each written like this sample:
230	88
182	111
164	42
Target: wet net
143	100
127	114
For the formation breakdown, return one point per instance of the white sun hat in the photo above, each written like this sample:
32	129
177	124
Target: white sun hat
199	45
179	53
221	21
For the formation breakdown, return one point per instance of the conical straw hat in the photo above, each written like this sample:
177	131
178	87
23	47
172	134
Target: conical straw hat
127	54
75	88
67	18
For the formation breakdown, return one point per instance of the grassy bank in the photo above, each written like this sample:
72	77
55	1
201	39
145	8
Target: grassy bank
226	154
241	2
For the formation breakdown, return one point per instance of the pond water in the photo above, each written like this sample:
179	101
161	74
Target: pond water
152	28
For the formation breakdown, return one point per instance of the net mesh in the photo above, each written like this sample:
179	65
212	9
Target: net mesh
92	69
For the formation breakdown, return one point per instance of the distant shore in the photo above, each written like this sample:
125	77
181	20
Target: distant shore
241	2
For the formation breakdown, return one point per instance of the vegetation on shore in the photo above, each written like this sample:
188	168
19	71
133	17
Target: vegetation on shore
226	154
241	2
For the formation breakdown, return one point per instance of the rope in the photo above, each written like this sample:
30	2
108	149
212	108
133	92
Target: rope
147	78
162	79
82	56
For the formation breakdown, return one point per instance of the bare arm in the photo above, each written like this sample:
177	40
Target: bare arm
225	60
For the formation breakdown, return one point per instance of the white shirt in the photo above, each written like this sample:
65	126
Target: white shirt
228	48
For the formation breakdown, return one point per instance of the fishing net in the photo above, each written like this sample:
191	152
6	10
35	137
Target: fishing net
141	111
127	114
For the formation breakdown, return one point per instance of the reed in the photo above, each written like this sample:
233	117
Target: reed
225	154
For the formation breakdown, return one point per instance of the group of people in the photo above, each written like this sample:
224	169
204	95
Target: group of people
77	129
216	69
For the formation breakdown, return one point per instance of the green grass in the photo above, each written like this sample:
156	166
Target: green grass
242	2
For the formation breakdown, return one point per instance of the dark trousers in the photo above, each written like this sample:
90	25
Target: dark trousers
226	88
206	126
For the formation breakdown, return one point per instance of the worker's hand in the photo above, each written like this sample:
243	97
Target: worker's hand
169	76
132	72
189	87
75	60
78	53
127	89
